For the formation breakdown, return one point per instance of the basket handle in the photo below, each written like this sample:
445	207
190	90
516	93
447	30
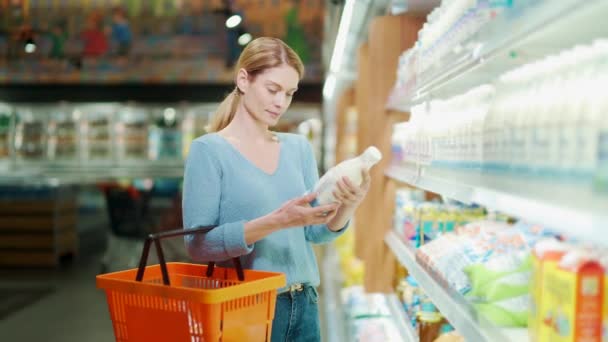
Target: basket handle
161	256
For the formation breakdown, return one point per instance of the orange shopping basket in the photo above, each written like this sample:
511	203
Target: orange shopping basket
174	302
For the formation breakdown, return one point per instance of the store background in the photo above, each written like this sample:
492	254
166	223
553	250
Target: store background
490	115
99	101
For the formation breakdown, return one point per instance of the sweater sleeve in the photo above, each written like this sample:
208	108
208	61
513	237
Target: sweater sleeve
317	233
201	206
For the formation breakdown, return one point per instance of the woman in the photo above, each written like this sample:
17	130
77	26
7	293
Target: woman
251	182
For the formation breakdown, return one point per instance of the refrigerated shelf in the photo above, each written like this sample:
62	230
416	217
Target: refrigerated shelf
401	320
35	173
334	322
572	208
519	35
451	304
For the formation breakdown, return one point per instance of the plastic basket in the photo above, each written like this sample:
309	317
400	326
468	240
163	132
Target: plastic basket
190	302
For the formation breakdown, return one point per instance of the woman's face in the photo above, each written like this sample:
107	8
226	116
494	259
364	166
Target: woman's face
267	96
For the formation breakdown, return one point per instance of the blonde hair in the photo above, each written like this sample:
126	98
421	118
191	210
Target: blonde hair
259	55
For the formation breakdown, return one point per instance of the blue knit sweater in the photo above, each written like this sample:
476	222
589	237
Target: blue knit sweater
223	188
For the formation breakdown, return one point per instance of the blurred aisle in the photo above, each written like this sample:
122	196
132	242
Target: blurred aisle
73	311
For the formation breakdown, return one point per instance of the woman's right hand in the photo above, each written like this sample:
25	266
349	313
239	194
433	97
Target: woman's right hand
293	213
298	212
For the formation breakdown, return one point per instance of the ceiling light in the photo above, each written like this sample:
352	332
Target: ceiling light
233	21
245	38
169	115
30	46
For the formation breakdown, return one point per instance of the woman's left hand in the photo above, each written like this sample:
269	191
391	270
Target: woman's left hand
350	195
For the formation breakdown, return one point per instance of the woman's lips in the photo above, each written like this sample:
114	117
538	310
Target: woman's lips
273	114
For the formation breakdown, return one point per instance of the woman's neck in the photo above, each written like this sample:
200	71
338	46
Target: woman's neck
245	127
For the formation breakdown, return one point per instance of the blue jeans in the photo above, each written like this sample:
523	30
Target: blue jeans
296	317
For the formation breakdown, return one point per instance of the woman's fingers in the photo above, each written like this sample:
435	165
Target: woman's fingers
306	199
345	193
350	187
321	211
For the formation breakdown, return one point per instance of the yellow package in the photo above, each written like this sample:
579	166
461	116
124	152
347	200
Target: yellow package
575	295
545	257
605	309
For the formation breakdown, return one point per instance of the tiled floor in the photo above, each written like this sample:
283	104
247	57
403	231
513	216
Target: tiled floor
75	310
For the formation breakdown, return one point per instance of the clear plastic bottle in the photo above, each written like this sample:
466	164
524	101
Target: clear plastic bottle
591	91
601	106
351	168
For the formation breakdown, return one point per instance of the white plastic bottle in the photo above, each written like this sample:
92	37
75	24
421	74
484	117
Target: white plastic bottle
351	168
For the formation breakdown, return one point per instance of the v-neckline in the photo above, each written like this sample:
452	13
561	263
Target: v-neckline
242	156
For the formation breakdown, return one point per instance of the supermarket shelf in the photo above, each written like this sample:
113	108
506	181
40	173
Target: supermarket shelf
405	328
452	305
32	173
570	208
335	325
516	37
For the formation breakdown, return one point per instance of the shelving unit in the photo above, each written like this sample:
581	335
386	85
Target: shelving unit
451	304
335	325
405	328
517	36
570	208
48	173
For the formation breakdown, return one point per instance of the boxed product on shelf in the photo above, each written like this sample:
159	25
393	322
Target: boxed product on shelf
5	130
97	132
63	134
131	133
575	294
31	134
419	222
165	140
569	301
545	257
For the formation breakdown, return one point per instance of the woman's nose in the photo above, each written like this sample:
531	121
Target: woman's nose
279	100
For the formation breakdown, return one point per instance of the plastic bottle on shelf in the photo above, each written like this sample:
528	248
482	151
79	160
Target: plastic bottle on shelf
590	117
535	125
351	168
601	106
491	128
550	161
481	111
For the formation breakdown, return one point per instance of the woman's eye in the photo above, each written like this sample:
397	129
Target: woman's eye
273	91
290	95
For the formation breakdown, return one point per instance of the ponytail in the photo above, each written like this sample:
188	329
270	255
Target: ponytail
225	112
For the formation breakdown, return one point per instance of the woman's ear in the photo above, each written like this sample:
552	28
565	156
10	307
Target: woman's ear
242	80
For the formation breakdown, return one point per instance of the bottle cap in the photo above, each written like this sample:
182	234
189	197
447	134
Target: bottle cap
372	155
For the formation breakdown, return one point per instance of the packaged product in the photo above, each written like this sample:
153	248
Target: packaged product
450	337
504	276
411	298
512	312
604	262
429	324
544	258
575	291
